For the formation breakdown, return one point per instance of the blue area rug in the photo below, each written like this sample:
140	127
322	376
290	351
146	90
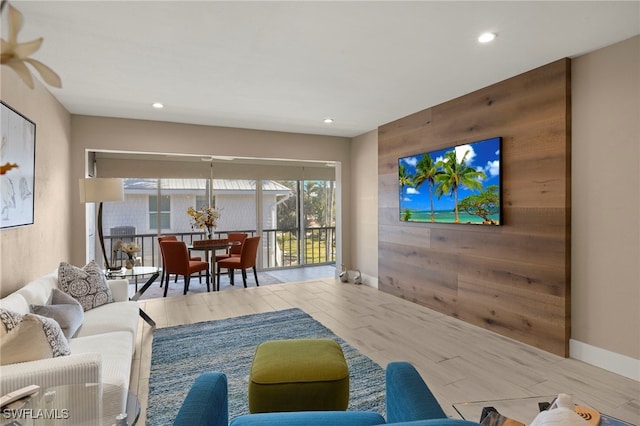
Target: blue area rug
180	354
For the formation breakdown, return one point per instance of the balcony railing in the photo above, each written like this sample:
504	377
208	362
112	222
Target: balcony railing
281	248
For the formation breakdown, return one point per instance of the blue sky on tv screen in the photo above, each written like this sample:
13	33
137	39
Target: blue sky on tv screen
482	155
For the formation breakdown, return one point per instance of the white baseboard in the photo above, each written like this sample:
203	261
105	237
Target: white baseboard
610	361
370	281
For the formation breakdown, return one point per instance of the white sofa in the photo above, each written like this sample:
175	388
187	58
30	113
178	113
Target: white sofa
101	352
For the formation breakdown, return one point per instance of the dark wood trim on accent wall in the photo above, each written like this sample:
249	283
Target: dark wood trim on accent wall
512	279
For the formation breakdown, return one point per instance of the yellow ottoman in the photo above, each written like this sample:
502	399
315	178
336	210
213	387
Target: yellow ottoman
298	375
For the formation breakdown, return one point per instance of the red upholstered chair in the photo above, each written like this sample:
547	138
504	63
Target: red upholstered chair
247	259
235	249
172	238
176	261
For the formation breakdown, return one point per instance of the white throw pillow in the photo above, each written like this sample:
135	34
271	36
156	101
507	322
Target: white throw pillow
29	337
87	285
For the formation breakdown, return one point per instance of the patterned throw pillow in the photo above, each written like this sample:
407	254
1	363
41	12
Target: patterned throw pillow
29	337
87	285
63	308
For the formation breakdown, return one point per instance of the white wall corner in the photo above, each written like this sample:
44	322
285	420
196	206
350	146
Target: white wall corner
610	361
370	281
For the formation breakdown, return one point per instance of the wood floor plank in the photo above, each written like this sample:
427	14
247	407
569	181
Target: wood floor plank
459	361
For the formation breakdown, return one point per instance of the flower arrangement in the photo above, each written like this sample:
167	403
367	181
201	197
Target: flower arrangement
205	218
130	249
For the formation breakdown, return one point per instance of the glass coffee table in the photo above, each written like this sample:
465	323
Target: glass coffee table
523	410
80	404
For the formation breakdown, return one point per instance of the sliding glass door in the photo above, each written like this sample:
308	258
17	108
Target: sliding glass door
295	218
319	222
298	223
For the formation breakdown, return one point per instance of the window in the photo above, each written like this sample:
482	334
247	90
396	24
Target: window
160	207
202	201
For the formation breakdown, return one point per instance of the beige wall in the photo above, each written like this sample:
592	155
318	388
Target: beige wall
100	133
605	204
29	251
364	207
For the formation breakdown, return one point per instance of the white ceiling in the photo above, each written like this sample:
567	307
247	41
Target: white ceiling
285	66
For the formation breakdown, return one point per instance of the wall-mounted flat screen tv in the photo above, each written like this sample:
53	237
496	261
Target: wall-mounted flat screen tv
460	184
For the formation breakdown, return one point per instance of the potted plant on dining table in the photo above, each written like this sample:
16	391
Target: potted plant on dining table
206	218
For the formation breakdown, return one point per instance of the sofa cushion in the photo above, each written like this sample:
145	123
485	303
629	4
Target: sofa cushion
38	291
29	337
87	284
121	316
119	289
15	302
116	351
64	309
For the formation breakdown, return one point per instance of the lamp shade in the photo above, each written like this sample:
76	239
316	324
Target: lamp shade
94	190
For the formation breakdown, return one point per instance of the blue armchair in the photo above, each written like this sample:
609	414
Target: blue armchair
408	398
206	403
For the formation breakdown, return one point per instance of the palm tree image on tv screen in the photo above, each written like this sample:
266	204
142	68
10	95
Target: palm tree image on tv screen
460	184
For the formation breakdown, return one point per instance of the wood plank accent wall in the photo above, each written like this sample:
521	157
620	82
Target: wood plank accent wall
512	279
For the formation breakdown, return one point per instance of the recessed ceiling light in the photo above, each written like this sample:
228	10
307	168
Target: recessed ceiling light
328	120
486	37
157	105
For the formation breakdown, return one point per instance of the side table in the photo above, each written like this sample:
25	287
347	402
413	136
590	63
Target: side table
138	271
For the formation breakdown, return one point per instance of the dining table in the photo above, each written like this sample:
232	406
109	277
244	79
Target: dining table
210	247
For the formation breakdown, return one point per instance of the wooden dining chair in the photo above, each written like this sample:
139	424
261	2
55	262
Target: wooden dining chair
176	261
173	238
247	259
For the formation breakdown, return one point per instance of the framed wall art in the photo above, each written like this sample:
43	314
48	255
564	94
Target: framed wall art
17	168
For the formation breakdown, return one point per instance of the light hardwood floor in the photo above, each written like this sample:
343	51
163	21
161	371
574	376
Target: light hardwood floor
459	362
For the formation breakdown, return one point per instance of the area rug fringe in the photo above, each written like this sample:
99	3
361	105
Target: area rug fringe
180	354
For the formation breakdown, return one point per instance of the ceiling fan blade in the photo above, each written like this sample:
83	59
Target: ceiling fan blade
15	23
6	51
47	74
23	72
24	50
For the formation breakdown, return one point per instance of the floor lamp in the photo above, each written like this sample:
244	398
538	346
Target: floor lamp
98	190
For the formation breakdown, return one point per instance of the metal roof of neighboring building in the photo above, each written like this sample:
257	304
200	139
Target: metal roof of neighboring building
219	185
